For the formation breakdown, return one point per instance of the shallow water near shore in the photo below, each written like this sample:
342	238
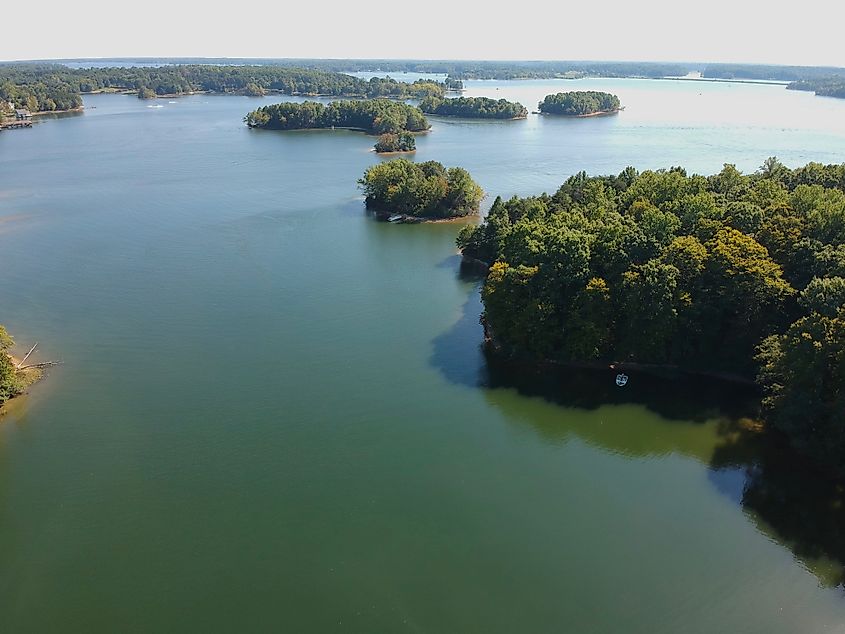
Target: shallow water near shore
274	412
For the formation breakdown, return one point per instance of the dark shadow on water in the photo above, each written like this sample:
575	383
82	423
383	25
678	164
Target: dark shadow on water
451	262
789	500
457	352
675	397
783	495
459	355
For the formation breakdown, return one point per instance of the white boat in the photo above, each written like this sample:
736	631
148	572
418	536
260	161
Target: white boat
395	218
621	380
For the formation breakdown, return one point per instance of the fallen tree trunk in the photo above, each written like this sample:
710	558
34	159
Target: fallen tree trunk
20	365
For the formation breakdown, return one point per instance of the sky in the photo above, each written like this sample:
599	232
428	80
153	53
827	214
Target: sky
646	30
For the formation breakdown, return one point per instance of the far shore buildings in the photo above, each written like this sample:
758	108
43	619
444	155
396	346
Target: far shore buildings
22	114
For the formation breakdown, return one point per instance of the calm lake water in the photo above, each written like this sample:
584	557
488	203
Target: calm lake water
274	415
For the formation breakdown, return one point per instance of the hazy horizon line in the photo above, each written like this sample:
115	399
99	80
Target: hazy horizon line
407	59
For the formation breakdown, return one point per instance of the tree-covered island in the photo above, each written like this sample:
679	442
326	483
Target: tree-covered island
474	108
396	142
580	103
732	274
375	116
420	190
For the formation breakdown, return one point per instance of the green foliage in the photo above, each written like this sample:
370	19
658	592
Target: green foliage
392	142
379	116
579	103
6	340
803	372
474	108
10	384
420	189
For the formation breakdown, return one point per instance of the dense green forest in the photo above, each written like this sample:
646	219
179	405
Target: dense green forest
824	87
393	142
377	116
425	190
57	87
36	92
474	108
732	273
579	103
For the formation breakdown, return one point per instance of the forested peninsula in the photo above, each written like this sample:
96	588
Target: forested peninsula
580	103
376	116
731	273
53	87
474	108
823	87
420	190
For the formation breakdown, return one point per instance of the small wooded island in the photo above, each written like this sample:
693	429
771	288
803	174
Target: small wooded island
727	274
391	142
474	108
427	190
580	103
375	116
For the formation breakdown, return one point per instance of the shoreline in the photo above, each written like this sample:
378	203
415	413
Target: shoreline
457	116
336	127
600	113
657	369
382	216
29	377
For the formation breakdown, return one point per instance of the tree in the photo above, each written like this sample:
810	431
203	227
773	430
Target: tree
803	373
420	189
9	382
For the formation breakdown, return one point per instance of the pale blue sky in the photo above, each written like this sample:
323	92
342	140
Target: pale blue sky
716	30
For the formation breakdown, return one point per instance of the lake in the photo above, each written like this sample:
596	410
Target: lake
274	413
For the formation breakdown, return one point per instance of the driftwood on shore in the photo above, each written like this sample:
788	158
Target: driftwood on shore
40	365
43	364
20	365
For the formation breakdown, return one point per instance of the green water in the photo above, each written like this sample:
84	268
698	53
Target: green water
274	415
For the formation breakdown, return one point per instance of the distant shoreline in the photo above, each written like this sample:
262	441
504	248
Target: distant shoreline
599	113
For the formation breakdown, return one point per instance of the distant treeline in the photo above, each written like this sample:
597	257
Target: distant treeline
579	103
377	116
458	69
824	87
727	273
474	108
57	87
765	72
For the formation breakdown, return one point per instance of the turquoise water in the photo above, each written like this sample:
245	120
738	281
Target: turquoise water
274	415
